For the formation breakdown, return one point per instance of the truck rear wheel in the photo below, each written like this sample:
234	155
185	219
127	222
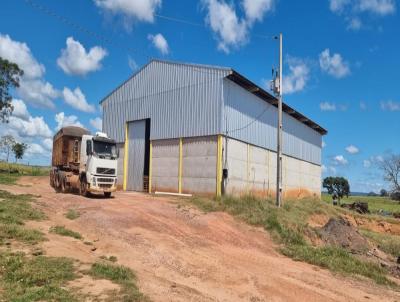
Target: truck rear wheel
63	183
107	194
83	187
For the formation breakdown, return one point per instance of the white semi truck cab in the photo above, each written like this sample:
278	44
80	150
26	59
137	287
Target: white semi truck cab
83	161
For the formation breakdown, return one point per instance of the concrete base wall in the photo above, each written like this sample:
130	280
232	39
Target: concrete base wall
199	162
252	170
199	165
165	165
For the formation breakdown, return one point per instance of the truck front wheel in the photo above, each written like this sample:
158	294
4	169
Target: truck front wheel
83	187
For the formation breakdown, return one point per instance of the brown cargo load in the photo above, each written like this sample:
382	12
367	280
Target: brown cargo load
66	147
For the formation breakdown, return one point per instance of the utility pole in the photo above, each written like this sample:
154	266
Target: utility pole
279	128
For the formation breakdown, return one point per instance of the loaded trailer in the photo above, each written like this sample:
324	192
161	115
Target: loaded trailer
84	162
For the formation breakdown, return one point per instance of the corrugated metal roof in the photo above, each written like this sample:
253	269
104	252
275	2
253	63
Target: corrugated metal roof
243	82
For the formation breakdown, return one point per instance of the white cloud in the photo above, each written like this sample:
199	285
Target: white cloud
38	92
142	10
63	120
35	149
20	109
48	143
22	125
32	127
229	29
378	7
160	43
352	10
75	60
20	53
33	87
333	65
338	6
132	64
298	77
363	106
390	106
77	100
352	149
355	24
340	160
97	123
232	31
366	163
326	106
255	9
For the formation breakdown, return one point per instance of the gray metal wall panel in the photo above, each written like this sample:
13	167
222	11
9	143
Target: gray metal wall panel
137	138
181	100
250	119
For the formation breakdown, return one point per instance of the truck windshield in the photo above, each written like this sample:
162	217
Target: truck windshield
104	149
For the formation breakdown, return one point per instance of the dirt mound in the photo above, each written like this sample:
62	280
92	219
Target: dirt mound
340	232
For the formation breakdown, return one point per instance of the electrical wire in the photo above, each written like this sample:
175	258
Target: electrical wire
81	28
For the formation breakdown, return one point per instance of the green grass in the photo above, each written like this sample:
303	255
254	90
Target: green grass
63	231
35	279
11	172
14	211
375	203
288	226
119	275
72	214
390	244
8	179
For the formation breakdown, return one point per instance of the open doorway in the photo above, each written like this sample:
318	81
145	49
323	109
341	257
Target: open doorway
138	155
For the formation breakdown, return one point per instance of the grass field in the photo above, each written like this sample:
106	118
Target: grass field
10	172
289	225
375	203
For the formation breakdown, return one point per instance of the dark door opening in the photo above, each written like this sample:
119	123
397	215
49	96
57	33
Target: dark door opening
146	167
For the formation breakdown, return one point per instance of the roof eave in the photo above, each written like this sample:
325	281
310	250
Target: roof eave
263	94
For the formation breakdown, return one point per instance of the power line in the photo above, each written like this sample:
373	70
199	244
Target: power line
250	123
81	28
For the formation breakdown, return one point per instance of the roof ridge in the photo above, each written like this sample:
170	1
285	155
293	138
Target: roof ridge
191	64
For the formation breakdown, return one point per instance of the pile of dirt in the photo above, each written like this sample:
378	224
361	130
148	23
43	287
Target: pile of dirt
340	232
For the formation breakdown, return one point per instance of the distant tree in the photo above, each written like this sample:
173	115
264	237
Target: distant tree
19	150
10	75
7	143
338	187
391	171
372	194
395	195
384	193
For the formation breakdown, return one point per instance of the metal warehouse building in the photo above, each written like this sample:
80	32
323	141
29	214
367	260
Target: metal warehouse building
190	128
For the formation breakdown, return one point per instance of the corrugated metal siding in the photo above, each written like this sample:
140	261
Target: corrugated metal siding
250	119
181	100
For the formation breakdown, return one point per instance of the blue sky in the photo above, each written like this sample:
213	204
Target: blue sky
341	62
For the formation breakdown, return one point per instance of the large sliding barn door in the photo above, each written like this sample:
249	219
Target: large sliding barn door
136	157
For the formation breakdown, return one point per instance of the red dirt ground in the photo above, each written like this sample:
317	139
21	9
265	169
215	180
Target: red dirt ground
181	254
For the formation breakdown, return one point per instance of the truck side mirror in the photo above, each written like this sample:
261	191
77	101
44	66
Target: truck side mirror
89	150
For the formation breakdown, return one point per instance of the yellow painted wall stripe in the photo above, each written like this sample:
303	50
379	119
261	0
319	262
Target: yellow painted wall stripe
180	167
248	169
126	151
150	164
219	165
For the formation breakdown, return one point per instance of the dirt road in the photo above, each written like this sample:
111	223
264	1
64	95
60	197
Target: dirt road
181	254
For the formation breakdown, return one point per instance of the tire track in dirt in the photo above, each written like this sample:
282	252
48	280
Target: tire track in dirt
181	254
